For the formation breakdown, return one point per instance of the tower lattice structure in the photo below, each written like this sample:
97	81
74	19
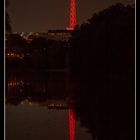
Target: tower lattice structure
72	20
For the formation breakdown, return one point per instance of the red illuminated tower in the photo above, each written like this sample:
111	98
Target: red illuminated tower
72	21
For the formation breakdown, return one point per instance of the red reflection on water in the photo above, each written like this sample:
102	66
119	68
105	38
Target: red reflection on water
72	124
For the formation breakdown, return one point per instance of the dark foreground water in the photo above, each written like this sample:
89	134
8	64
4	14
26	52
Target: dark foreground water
47	105
37	109
34	122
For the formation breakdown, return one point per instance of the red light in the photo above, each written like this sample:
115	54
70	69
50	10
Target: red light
72	15
72	124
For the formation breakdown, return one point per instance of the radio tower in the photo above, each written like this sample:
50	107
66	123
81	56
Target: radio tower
72	21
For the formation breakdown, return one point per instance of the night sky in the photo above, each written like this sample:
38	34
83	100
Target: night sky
41	15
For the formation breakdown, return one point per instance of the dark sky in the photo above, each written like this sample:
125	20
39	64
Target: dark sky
41	15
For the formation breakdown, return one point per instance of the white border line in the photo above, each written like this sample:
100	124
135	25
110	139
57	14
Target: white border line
4	76
135	69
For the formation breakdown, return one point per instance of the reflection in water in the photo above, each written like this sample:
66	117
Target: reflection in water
15	83
72	124
39	104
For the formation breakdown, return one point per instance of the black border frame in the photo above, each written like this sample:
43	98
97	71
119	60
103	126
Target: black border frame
2	69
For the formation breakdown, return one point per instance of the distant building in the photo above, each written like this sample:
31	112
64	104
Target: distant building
58	35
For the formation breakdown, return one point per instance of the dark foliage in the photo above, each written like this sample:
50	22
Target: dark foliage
47	53
15	41
102	61
38	53
7	20
15	44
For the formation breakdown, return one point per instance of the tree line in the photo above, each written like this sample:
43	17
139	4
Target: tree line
103	73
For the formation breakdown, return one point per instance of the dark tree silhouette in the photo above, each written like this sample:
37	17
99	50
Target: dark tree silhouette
15	44
102	61
15	41
38	48
7	20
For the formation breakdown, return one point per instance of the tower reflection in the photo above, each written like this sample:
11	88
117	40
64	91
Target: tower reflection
72	124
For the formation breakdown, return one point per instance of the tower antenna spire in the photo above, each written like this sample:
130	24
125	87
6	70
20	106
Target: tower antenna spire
72	20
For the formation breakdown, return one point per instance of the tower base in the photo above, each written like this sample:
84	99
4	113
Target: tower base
69	28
